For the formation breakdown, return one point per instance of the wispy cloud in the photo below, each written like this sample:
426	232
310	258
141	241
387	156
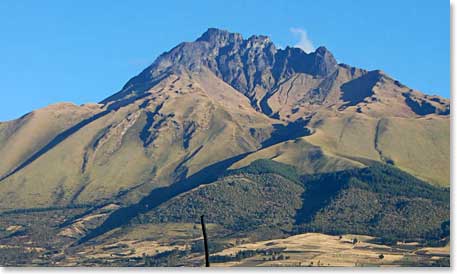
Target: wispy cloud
303	40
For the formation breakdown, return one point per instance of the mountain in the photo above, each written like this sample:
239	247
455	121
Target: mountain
265	142
228	100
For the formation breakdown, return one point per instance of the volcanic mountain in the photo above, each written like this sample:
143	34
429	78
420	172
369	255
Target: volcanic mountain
217	104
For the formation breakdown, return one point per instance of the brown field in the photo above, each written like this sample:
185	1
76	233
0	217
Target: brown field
179	244
315	249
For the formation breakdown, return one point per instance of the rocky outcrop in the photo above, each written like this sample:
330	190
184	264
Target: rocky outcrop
253	66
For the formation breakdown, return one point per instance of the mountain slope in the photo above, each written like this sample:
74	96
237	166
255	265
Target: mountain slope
221	101
378	200
16	142
155	140
419	146
267	196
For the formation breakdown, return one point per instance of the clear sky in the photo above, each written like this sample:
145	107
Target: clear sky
83	51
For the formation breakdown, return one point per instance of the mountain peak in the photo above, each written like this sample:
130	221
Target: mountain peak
260	38
253	66
322	50
324	62
257	69
219	36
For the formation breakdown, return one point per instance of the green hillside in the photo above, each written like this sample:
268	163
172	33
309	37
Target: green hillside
239	202
378	200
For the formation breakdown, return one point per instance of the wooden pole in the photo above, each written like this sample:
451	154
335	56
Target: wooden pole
205	240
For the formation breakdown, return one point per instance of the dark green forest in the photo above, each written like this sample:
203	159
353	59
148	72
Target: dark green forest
378	200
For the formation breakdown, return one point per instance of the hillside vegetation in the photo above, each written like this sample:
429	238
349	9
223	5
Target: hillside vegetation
239	202
378	200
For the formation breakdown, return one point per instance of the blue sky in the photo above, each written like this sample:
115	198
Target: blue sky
83	51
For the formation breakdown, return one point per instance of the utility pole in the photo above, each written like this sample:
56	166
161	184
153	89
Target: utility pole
205	240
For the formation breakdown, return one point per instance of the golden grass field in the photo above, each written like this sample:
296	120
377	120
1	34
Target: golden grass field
302	250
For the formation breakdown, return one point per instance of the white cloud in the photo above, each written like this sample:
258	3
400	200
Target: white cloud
304	42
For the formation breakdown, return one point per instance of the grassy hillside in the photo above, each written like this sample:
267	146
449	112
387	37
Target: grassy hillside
378	200
20	138
262	201
136	146
183	127
419	146
306	157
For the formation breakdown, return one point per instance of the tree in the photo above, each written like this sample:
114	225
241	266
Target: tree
445	228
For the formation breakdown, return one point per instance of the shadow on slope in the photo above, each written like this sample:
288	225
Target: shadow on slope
72	130
287	132
205	176
357	90
160	195
422	107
